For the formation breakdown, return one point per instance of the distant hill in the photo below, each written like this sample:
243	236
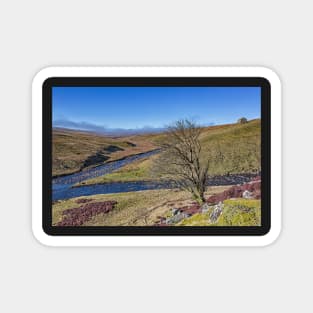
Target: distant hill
74	150
239	144
116	132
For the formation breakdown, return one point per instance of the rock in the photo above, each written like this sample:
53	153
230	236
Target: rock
217	211
247	194
175	219
205	208
175	211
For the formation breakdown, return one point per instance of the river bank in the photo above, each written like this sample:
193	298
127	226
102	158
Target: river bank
74	185
138	208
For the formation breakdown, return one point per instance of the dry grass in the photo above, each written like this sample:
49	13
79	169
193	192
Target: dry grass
70	149
240	145
133	208
139	170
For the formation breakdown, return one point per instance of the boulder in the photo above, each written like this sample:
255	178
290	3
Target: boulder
217	211
205	208
175	219
247	194
175	211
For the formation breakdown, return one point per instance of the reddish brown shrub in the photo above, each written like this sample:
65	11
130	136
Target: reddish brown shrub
78	216
256	178
190	210
237	191
83	200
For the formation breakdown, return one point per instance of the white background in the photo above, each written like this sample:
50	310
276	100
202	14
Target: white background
36	34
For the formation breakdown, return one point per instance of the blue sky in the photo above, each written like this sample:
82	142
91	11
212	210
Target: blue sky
138	107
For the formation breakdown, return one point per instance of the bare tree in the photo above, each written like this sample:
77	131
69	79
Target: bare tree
182	160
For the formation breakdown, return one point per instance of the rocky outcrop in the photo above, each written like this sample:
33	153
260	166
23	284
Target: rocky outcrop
214	204
178	214
217	211
251	190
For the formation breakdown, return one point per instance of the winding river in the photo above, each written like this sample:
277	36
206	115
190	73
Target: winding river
62	187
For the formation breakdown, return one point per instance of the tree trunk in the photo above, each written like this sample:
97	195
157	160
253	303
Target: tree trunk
202	198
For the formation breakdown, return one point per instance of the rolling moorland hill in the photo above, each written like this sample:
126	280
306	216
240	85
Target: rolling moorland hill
73	150
238	144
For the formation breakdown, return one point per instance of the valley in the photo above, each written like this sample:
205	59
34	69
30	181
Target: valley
96	168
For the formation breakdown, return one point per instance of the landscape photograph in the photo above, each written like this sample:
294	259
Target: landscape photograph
156	156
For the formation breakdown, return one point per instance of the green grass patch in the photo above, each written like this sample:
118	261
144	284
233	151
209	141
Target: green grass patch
241	212
199	219
139	170
237	212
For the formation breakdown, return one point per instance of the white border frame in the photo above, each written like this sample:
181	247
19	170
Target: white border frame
147	241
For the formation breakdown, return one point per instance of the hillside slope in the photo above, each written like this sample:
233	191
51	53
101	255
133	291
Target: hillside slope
74	150
234	148
239	145
231	148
